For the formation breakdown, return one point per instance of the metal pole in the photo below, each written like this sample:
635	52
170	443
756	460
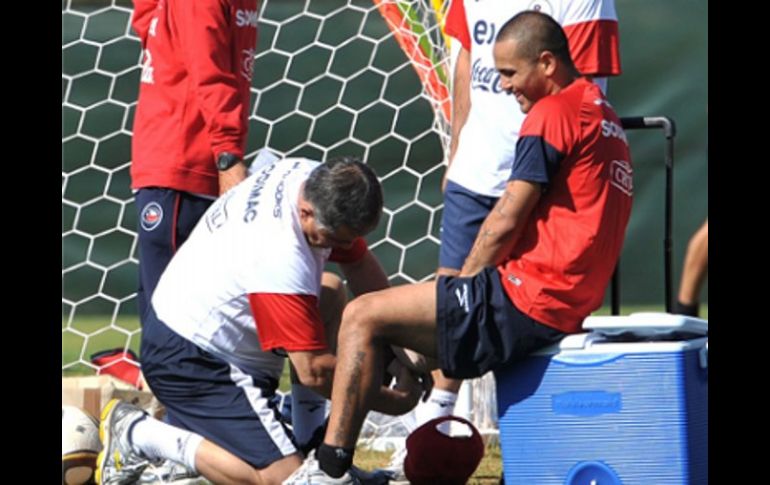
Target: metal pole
669	131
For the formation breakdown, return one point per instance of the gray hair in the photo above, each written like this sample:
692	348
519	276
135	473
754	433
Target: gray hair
345	192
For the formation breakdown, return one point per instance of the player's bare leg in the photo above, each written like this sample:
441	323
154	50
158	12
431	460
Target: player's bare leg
132	438
404	316
440	381
220	466
445	385
694	272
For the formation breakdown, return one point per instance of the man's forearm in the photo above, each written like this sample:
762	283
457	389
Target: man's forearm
493	241
365	275
502	227
461	98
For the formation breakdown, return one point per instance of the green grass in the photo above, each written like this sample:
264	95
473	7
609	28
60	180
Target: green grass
90	334
487	473
87	335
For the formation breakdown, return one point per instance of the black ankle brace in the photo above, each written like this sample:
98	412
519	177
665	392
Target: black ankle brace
684	309
334	461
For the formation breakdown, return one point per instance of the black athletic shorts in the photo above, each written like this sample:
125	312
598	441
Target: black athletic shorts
479	328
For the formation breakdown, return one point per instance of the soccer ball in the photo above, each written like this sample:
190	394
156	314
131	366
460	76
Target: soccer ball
80	446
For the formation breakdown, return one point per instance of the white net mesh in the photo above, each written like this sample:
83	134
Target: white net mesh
330	78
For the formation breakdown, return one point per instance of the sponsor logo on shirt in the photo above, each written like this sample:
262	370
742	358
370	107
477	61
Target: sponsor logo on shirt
247	63
147	69
610	129
153	26
252	202
279	190
622	176
484	32
485	78
246	18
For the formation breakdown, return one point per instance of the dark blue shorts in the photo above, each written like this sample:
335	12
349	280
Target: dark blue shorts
166	217
464	212
479	328
208	396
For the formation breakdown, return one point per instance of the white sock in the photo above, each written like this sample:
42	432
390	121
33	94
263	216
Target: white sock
156	439
308	412
409	420
440	403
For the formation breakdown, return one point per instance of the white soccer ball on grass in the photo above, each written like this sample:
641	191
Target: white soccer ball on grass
80	446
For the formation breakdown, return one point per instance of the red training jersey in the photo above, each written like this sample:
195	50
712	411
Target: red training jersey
194	90
559	268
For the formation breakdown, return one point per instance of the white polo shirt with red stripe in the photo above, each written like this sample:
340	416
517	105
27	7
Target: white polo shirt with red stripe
247	282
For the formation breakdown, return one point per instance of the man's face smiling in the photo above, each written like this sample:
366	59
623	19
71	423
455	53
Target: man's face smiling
522	77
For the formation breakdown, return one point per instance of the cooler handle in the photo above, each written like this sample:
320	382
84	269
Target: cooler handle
704	356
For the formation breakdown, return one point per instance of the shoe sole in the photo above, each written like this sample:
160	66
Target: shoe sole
104	436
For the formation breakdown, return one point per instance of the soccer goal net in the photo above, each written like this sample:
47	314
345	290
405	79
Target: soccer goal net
331	77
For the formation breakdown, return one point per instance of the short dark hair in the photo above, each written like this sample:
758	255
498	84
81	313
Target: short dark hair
345	192
535	33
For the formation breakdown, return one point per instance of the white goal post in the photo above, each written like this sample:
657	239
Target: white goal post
331	77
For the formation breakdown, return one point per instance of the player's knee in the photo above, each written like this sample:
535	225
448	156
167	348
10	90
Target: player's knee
358	320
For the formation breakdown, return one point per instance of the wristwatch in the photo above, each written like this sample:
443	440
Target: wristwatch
225	160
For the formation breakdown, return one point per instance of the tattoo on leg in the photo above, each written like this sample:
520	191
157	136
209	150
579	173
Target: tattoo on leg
352	396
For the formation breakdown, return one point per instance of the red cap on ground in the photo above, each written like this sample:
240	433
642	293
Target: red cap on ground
433	457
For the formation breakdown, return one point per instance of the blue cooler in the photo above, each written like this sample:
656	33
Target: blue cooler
626	404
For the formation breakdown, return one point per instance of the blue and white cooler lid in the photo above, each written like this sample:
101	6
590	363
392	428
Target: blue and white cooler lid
647	325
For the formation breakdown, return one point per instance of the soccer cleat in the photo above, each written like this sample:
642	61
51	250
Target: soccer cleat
395	467
170	472
118	463
310	473
375	477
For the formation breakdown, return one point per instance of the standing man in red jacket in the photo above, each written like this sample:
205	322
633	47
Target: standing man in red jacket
191	119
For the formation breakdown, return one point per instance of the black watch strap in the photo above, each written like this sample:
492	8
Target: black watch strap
225	160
